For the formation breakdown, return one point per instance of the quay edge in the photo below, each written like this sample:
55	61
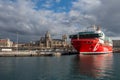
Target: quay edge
34	53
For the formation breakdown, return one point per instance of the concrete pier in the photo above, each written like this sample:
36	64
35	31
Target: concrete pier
34	53
116	50
44	52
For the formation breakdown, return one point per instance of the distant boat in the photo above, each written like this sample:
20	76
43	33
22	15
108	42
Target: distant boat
91	41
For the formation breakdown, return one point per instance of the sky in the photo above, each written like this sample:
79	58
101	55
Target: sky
30	19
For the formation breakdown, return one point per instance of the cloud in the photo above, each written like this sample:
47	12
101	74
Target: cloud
100	12
108	15
22	17
86	5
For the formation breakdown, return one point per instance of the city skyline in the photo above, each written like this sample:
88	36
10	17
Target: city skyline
32	18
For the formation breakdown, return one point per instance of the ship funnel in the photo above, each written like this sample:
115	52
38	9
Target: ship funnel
98	28
94	27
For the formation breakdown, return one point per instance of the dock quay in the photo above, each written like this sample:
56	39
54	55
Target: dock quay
35	53
43	52
116	50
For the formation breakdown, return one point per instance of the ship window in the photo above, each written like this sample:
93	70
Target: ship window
84	35
89	35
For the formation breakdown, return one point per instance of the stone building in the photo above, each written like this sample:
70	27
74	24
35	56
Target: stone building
6	43
116	43
48	42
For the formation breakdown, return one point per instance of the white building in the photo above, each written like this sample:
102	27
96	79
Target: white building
6	43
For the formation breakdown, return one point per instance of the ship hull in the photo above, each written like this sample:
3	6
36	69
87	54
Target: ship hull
91	46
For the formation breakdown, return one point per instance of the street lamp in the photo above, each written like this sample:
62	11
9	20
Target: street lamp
17	41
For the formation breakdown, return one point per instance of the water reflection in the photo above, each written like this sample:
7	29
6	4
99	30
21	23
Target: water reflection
94	65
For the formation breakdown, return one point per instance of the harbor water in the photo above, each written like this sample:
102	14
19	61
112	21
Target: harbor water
69	67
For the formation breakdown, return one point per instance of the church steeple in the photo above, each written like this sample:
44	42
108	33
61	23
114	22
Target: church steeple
64	37
47	36
48	40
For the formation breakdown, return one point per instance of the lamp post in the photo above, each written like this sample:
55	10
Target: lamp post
17	41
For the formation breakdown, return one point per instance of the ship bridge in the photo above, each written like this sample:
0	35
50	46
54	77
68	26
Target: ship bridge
86	35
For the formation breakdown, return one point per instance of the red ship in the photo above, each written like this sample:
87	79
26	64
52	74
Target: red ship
91	41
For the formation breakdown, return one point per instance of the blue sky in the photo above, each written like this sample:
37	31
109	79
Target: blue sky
32	18
55	5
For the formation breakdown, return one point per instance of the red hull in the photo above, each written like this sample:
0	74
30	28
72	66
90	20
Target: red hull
91	46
